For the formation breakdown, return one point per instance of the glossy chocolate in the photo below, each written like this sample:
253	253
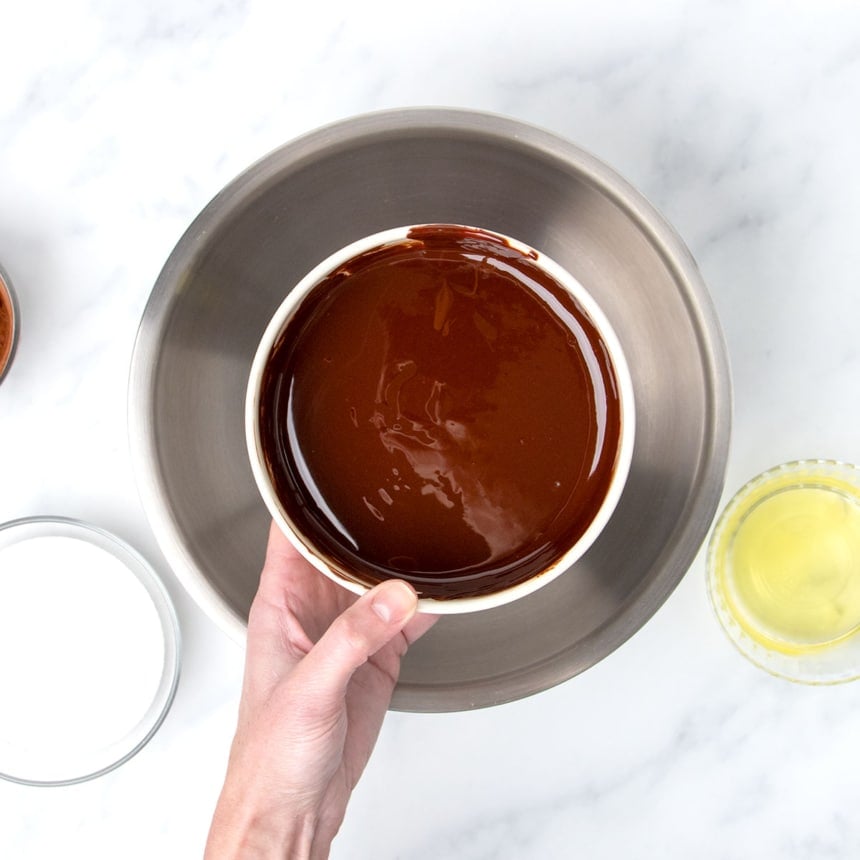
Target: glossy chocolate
440	410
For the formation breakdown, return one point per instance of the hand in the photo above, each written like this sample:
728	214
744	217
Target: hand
320	669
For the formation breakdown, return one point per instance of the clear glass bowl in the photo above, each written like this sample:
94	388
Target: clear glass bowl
783	571
91	651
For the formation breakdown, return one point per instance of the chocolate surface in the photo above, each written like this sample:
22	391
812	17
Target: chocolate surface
440	410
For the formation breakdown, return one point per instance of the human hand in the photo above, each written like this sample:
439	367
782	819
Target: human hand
320	669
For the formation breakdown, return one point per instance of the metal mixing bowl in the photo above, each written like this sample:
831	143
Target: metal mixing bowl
276	221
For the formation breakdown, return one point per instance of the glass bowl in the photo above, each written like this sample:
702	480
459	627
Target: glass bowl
90	651
783	571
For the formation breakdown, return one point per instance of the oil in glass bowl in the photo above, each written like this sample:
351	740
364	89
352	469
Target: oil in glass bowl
784	571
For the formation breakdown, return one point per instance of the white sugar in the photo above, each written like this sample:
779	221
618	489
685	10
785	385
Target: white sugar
81	650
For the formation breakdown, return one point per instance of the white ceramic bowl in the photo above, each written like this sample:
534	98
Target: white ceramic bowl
304	544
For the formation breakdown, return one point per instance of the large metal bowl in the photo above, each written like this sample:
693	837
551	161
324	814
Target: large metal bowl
262	233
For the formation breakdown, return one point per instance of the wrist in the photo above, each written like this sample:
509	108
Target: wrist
248	834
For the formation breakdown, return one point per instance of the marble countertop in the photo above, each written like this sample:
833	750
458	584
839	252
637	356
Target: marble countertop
739	120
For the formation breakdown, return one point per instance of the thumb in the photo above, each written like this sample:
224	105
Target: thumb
355	636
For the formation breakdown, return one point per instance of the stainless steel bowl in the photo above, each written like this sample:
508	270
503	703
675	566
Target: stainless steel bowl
271	225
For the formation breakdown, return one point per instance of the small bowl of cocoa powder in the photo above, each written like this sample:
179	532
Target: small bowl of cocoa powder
8	324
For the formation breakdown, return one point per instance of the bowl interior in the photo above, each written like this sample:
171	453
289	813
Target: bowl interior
235	264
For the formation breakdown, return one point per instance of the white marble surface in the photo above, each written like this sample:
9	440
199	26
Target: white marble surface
740	120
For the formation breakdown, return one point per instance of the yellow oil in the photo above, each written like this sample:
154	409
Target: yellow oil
792	568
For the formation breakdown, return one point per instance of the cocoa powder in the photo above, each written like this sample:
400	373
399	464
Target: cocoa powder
7	325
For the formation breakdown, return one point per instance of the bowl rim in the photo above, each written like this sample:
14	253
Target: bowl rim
623	457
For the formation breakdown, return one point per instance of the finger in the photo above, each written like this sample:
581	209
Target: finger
418	625
369	694
276	641
290	581
355	636
273	613
281	559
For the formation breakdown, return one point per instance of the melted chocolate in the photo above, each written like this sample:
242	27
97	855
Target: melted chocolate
440	410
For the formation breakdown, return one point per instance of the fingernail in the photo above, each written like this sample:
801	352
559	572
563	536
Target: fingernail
394	601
